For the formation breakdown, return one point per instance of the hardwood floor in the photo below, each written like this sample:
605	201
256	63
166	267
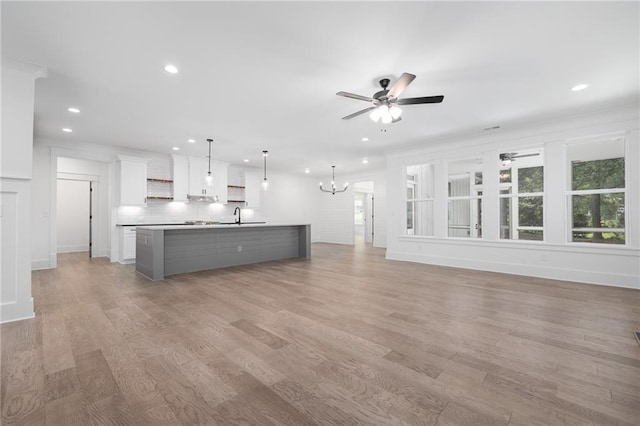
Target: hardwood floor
344	338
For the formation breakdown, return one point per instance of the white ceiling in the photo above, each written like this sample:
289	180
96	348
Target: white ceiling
264	75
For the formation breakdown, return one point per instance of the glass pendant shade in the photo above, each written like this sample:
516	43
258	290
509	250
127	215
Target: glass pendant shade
395	112
375	115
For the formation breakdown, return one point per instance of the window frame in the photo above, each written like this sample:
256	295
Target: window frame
569	193
514	207
412	184
475	232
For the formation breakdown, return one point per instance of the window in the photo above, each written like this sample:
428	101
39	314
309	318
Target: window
419	200
465	199
522	197
597	195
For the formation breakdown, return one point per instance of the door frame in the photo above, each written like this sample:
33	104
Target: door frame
368	217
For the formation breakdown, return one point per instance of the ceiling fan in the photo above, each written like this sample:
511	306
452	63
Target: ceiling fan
385	102
508	157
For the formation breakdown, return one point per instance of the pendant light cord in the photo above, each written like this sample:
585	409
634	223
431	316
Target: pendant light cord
209	140
264	155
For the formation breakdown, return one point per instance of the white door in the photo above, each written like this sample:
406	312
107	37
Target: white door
72	216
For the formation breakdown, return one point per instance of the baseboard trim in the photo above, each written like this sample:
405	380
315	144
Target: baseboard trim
73	249
38	264
18	319
529	270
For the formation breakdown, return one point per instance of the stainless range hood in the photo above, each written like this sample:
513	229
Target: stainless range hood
203	198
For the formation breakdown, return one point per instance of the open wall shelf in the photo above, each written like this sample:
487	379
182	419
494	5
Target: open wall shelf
159	189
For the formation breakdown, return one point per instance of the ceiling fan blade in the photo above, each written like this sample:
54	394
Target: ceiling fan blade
525	155
395	120
399	86
354	96
355	114
422	100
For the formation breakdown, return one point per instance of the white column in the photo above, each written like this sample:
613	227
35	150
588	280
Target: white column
490	200
555	186
441	207
18	91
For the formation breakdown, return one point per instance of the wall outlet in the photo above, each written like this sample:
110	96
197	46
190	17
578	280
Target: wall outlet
239	249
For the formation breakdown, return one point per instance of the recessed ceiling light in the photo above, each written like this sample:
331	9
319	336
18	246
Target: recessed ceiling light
171	69
191	141
73	110
175	148
365	161
66	129
365	139
579	87
246	160
307	171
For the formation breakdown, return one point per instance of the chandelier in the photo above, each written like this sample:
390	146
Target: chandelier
333	189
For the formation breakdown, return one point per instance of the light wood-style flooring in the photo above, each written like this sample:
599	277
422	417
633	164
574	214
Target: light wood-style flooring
344	338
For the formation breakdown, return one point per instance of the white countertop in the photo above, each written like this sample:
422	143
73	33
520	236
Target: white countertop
229	226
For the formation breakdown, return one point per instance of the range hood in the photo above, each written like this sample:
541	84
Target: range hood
203	198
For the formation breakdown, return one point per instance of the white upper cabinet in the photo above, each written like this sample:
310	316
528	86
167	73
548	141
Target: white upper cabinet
220	180
200	185
180	177
252	185
132	181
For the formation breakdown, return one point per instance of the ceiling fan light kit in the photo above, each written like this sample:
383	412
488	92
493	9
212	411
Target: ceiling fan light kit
333	189
385	102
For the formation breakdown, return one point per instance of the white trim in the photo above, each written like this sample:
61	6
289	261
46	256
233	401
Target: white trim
74	248
78	176
38	264
529	270
18	319
521	194
571	247
597	229
598	191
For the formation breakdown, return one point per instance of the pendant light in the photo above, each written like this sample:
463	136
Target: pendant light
209	177
333	189
265	182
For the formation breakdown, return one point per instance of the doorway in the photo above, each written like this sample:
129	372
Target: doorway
74	214
363	212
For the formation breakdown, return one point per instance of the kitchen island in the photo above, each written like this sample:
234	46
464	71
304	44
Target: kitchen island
175	249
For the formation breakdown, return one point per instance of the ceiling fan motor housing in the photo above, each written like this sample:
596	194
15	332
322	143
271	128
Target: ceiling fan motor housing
384	83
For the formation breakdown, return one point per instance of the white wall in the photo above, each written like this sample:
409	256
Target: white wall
335	222
17	120
552	258
15	189
336	216
72	216
291	199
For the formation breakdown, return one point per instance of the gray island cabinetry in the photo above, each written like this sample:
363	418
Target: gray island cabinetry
168	250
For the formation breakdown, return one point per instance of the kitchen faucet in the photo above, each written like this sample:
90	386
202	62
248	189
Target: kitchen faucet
239	211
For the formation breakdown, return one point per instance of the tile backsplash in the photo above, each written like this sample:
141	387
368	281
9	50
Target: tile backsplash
158	211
